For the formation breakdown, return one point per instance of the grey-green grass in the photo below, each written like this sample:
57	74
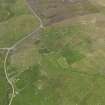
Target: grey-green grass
4	86
66	69
18	25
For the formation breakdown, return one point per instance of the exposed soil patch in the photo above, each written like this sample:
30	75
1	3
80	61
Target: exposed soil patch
52	11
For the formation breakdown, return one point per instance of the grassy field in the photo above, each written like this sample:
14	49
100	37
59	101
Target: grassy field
17	24
64	66
16	21
4	86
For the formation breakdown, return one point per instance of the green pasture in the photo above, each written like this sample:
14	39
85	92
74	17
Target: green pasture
65	67
16	21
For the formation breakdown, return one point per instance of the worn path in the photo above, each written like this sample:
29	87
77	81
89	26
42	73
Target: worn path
14	46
